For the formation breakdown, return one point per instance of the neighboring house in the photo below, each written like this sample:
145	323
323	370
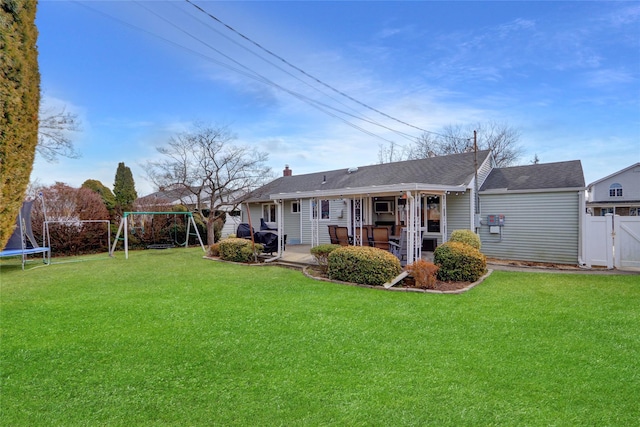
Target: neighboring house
179	195
432	197
618	193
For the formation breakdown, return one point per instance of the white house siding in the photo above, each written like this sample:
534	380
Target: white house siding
630	181
291	223
458	212
484	170
336	208
540	227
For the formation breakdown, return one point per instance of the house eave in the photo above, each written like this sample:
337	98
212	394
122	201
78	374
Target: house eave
369	190
534	190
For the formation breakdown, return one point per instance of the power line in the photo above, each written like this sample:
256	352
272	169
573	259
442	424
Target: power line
304	72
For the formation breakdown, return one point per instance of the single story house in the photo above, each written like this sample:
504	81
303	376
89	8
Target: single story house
618	193
528	212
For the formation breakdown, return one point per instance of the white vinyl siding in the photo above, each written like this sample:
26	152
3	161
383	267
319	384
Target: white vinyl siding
291	225
629	180
540	227
458	212
336	208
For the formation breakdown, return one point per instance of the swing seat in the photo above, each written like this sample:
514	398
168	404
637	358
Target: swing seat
161	246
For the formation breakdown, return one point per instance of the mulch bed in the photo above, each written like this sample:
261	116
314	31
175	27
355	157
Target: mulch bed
406	283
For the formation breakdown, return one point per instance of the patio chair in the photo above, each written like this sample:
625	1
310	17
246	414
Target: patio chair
332	234
400	249
342	235
366	237
380	238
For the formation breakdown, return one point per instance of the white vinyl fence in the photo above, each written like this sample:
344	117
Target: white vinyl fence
612	241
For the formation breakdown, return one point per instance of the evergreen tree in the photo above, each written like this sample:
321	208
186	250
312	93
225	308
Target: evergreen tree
124	189
105	193
19	103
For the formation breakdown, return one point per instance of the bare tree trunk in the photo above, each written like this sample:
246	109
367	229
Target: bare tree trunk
211	235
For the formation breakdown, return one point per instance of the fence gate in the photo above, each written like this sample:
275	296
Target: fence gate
612	241
626	236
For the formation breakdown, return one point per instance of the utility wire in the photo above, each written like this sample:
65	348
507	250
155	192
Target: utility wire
257	76
359	116
304	72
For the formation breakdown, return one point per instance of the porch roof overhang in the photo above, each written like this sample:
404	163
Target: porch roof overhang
371	190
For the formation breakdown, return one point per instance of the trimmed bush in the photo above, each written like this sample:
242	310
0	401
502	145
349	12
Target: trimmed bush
363	264
424	274
466	236
321	254
214	250
459	262
238	250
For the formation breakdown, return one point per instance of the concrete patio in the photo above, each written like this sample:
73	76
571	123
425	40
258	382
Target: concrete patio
301	255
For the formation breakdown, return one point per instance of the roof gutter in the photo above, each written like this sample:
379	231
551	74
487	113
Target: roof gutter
535	190
373	189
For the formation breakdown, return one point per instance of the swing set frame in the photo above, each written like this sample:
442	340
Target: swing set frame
124	226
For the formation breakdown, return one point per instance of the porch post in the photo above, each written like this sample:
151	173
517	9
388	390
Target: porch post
280	222
315	215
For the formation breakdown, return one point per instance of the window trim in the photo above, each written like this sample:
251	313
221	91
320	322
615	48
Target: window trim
312	210
615	190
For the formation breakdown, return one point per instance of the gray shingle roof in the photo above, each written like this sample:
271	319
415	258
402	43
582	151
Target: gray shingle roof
452	170
536	177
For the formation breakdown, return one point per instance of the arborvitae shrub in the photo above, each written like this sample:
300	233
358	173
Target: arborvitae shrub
424	274
321	254
363	264
238	250
459	262
466	236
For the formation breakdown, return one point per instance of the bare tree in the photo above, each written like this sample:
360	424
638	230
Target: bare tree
53	134
206	164
392	153
425	146
500	138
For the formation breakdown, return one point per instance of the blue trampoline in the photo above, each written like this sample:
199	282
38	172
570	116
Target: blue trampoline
22	243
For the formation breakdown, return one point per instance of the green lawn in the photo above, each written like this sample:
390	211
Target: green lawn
167	338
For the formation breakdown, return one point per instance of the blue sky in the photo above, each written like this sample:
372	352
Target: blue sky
566	74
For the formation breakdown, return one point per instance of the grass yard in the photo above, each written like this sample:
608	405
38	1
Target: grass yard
167	338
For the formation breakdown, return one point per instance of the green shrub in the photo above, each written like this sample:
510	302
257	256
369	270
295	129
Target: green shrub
363	264
466	236
238	250
321	254
424	274
459	262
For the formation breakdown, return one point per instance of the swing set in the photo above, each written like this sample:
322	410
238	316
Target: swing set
124	228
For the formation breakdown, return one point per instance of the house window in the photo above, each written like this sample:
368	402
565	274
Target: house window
295	207
433	214
615	190
604	211
320	207
269	212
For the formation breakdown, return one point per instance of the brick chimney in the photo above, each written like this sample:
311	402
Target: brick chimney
287	171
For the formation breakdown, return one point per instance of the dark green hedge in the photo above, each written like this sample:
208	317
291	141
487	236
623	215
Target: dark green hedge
19	105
